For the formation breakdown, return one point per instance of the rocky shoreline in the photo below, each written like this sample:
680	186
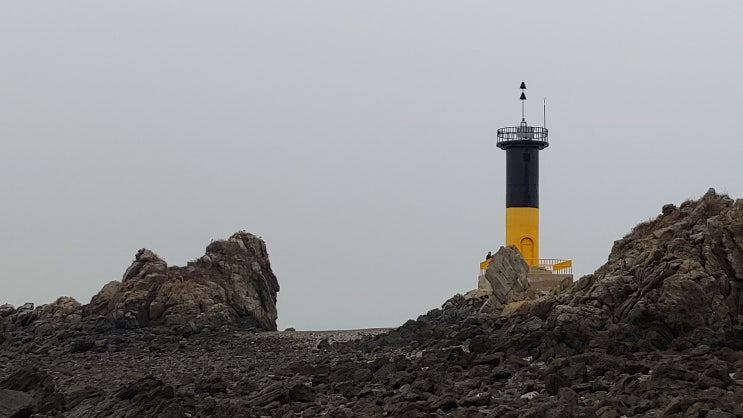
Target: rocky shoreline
450	362
657	331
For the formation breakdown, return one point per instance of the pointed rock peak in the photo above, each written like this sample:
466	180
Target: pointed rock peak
145	255
232	283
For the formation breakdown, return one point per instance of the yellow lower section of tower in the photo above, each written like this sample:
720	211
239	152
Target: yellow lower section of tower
522	230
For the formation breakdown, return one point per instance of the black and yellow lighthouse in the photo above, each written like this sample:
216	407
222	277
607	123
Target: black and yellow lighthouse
522	145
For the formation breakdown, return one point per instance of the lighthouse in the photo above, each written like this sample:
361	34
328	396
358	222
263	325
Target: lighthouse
522	144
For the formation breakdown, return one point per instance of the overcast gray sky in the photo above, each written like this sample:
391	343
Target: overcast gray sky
357	138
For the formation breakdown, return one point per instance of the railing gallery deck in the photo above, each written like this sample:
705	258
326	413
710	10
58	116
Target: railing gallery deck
541	266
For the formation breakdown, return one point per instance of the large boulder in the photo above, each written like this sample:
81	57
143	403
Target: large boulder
28	390
14	403
507	274
231	283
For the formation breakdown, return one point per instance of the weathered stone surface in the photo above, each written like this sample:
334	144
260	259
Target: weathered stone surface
64	309
672	275
64	312
507	275
6	309
15	404
232	283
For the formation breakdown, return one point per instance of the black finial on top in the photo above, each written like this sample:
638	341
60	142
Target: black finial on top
523	99
523	135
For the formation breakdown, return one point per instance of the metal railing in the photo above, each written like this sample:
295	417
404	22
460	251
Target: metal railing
550	265
541	266
484	265
522	133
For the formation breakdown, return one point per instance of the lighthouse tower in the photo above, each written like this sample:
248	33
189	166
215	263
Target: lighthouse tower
522	145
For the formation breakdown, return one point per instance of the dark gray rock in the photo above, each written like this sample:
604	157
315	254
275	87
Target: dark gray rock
301	393
15	404
276	392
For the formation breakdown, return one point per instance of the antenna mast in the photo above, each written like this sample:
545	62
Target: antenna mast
523	99
545	112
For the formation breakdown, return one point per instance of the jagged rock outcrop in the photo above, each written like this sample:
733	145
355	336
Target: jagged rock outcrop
231	283
507	275
678	274
64	312
656	331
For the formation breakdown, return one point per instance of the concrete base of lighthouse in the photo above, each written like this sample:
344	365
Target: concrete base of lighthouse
506	279
540	283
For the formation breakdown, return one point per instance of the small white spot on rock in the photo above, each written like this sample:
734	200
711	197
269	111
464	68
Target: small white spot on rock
530	395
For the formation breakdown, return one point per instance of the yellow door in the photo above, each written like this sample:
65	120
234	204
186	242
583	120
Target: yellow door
527	250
